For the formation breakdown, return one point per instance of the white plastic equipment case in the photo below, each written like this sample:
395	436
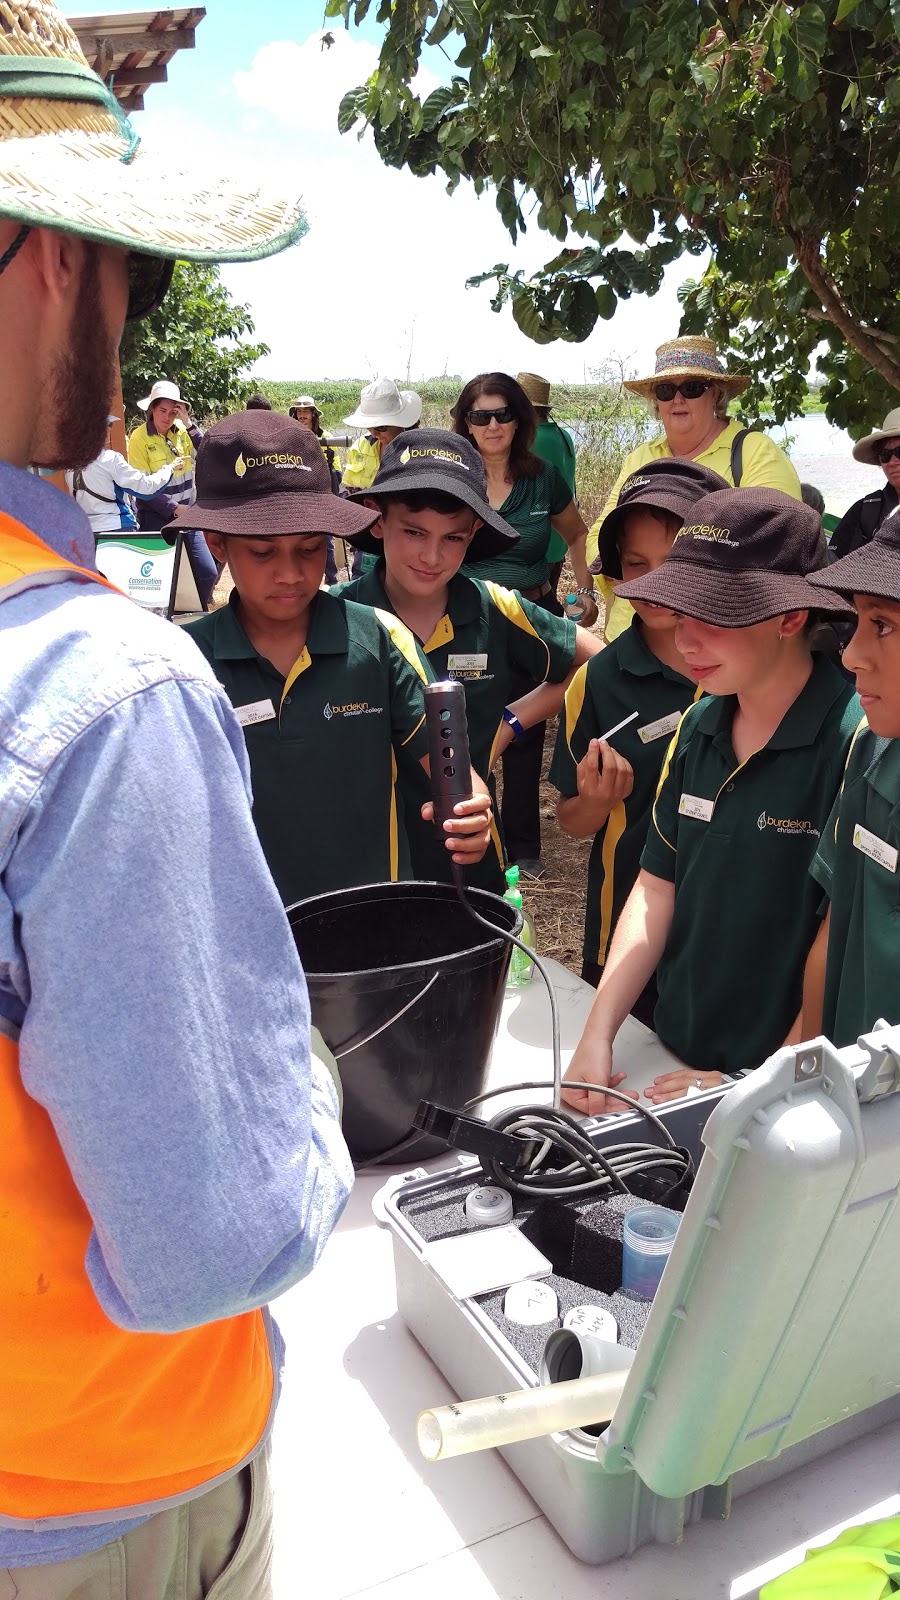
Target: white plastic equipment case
774	1336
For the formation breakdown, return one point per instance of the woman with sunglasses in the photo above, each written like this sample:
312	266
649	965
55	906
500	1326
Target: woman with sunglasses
494	412
859	525
689	395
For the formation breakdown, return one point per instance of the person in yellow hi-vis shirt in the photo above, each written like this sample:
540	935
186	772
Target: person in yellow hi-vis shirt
689	395
860	1564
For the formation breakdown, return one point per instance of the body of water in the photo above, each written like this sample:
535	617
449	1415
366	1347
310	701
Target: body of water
822	456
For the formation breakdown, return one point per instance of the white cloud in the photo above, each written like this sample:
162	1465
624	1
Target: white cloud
301	85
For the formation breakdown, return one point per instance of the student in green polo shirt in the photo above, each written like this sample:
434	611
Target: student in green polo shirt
433	515
330	694
607	790
724	907
853	973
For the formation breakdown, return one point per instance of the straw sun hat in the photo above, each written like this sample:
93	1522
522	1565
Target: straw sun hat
691	356
536	388
70	159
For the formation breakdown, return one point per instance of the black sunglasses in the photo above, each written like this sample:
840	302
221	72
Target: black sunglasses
149	280
480	419
691	388
888	452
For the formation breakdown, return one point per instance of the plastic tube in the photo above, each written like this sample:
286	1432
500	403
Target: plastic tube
522	1414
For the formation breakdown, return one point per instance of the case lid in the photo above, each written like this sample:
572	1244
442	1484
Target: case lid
778	1312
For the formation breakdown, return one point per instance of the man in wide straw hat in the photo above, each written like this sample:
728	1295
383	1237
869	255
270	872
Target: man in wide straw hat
689	394
172	1159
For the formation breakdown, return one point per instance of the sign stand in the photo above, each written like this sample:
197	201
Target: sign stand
184	595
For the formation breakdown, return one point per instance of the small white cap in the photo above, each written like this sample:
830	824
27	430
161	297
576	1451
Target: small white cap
530	1303
488	1207
592	1321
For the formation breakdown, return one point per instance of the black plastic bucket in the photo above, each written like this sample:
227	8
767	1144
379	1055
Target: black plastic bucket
406	990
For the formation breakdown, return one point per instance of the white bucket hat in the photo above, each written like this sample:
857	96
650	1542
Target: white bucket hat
383	405
163	390
70	159
867	449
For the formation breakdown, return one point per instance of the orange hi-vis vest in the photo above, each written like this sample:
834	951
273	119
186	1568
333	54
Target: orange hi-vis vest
94	1418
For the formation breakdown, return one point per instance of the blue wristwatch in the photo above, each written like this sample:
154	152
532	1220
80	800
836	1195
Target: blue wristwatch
514	723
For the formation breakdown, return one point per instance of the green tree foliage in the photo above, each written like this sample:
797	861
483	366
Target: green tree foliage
196	340
767	134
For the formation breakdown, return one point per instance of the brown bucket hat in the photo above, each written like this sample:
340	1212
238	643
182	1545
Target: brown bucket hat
260	474
873	569
670	485
433	458
746	555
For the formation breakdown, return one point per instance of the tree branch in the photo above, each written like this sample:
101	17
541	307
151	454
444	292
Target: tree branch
816	315
806	247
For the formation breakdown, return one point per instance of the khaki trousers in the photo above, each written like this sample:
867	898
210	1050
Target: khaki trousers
217	1547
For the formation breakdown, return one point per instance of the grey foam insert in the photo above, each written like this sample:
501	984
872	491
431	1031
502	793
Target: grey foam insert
587	1230
630	1313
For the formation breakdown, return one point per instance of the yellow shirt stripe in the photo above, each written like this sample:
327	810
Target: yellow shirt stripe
508	603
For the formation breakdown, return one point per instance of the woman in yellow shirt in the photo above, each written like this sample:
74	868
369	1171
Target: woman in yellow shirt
689	395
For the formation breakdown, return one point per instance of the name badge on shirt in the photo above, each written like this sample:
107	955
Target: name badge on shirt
693	805
875	848
256	711
659	728
468	665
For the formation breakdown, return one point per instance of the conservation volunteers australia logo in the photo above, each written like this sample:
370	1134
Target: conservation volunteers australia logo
798	825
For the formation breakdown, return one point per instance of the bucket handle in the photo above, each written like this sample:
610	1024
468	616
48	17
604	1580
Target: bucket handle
391	1020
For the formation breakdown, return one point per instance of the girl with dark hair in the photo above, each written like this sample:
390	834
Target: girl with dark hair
494	411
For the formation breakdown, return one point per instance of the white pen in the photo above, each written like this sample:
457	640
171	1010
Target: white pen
619	725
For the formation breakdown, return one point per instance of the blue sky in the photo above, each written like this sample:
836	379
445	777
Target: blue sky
378	284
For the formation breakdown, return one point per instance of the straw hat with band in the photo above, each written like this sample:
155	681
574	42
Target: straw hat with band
432	458
536	388
746	555
867	449
383	405
668	485
691	356
71	160
872	569
260	475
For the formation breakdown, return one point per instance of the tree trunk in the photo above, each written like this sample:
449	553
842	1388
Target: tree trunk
807	251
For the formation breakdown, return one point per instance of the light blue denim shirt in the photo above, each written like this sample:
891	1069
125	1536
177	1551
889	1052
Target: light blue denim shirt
147	960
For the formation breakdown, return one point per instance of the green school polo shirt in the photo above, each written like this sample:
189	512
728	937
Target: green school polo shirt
322	742
737	839
624	677
556	445
857	865
528	507
490	640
